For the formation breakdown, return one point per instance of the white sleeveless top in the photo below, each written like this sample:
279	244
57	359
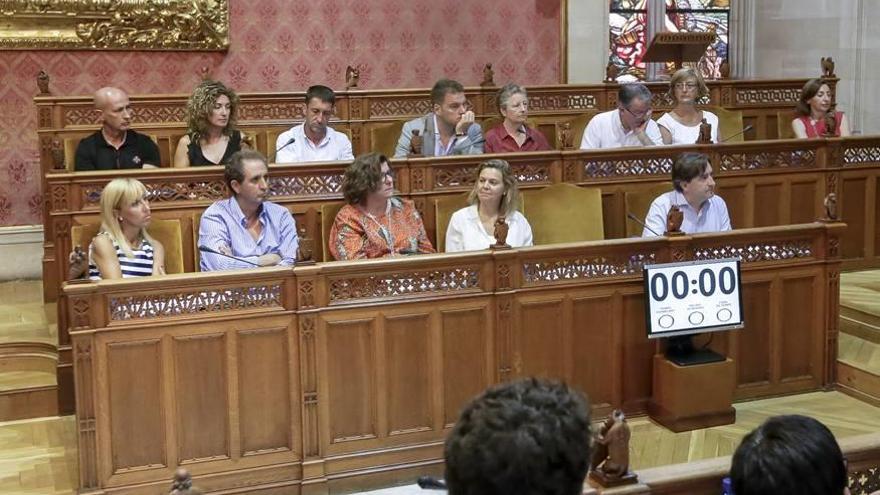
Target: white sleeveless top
684	134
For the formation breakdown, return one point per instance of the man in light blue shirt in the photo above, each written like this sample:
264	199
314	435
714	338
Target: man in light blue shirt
245	225
694	194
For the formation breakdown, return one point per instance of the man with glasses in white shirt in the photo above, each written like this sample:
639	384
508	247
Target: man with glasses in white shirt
629	124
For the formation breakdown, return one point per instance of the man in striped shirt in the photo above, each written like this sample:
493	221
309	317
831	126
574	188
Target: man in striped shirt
245	230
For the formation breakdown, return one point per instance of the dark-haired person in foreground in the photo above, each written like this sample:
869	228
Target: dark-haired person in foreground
449	129
694	194
789	455
245	225
314	140
530	437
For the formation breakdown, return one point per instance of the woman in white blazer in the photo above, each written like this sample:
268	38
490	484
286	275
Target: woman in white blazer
495	195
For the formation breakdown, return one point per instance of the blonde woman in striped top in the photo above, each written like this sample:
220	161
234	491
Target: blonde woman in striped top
123	248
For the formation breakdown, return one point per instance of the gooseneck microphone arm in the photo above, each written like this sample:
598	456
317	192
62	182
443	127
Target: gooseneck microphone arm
285	145
643	224
745	130
206	249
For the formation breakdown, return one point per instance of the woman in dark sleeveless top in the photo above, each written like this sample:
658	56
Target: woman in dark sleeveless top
211	117
813	109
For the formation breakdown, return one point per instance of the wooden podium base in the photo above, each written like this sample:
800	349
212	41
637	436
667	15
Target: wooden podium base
599	478
692	397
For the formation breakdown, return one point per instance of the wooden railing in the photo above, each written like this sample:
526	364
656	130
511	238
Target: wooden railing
349	373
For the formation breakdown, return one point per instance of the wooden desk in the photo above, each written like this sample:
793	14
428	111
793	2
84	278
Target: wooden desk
340	375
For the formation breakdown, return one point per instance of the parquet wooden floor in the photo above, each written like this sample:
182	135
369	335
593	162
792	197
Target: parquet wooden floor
39	456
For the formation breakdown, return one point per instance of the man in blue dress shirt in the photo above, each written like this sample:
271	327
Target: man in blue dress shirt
245	225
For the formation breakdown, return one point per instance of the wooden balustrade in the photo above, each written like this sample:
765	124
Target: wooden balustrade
346	374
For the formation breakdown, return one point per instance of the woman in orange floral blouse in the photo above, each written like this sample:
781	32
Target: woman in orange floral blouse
374	223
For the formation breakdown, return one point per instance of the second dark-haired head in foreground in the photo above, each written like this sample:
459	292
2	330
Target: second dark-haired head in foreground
789	454
530	437
694	194
245	228
375	223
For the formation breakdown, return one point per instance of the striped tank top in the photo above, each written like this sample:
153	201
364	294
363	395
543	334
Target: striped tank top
139	266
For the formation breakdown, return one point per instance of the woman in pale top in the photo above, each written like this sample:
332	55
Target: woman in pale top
123	248
211	138
682	124
812	109
495	194
375	223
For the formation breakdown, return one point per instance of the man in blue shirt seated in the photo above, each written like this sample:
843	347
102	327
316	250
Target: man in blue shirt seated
246	226
694	195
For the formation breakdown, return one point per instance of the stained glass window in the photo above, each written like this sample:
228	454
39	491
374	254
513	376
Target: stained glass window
628	24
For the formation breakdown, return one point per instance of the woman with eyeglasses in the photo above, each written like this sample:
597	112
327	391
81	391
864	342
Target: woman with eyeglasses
495	195
814	108
513	134
682	124
375	223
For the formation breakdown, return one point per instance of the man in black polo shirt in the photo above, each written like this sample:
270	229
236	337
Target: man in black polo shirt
115	145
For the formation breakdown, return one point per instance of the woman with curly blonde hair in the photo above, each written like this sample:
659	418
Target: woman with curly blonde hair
211	138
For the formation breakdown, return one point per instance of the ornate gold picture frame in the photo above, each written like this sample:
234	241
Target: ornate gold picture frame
114	24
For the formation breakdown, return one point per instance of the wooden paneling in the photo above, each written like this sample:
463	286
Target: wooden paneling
265	391
767	206
350	351
408	391
852	211
466	371
753	344
387	351
137	425
540	337
805	199
797	358
201	396
593	328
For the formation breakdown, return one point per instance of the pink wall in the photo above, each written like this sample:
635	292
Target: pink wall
283	45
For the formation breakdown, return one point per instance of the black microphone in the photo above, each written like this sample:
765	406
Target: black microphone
640	222
431	483
745	130
206	249
285	145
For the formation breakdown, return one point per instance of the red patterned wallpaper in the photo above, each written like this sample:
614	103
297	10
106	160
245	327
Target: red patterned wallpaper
280	45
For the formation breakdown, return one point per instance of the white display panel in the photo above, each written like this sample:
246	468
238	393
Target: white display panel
693	297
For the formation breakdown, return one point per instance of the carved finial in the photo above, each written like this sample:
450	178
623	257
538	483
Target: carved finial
43	83
205	73
352	77
724	69
306	249
488	76
673	221
57	152
830	122
565	136
610	463
182	484
611	72
415	143
830	204
827	65
500	234
705	136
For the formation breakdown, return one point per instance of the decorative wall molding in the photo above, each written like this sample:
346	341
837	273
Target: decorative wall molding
120	25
